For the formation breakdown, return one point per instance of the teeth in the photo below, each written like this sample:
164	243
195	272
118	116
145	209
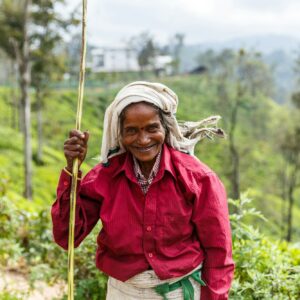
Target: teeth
145	148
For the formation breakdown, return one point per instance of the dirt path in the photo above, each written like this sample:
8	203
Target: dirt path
17	284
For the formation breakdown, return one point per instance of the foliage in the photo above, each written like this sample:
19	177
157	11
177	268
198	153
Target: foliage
26	245
91	283
237	86
145	47
11	20
265	268
26	238
257	137
46	25
48	29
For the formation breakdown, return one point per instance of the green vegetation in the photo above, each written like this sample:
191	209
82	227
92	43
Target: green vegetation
266	266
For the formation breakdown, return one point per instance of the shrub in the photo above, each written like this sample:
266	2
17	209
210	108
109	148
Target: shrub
265	268
26	245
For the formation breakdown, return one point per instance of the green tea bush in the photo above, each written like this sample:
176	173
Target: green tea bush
265	268
11	251
26	240
26	245
90	282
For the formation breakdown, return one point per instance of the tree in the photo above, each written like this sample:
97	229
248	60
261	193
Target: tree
14	23
146	50
146	54
47	63
16	17
289	144
9	76
239	78
290	149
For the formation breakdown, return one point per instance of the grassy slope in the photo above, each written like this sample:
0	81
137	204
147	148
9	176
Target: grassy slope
197	101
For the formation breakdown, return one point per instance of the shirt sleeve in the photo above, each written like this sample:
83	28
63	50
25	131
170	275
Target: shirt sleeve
211	219
87	212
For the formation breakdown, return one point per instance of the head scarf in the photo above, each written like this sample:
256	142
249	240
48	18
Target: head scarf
182	136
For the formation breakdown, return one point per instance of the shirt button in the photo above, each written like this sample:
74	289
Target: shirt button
150	255
66	183
149	228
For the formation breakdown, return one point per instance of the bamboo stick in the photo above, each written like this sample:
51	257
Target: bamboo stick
75	163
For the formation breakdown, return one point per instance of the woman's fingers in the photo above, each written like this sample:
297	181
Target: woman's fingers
77	133
75	140
72	154
76	146
86	137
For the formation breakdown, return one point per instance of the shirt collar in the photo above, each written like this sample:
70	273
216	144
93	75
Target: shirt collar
165	165
154	171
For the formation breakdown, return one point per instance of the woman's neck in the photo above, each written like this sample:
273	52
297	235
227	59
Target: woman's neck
146	167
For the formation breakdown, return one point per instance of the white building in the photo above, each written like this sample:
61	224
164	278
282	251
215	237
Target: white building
163	65
125	60
114	60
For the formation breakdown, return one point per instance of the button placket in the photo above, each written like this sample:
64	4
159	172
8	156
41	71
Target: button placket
149	221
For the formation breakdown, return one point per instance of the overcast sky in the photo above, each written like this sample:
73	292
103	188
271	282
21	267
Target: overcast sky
111	22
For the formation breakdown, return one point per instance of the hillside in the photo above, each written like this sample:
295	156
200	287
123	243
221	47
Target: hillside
26	243
258	168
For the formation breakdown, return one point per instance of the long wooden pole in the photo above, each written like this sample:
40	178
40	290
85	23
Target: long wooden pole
75	164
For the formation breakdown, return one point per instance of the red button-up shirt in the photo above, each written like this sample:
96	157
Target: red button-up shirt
180	222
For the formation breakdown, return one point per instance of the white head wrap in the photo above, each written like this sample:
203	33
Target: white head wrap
182	136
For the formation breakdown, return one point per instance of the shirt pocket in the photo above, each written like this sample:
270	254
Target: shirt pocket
120	239
174	232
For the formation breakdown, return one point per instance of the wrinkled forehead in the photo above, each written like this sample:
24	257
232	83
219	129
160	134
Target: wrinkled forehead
125	104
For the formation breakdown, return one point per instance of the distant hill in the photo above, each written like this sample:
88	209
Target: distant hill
279	51
263	43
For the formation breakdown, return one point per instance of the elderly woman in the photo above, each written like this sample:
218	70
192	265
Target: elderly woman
164	213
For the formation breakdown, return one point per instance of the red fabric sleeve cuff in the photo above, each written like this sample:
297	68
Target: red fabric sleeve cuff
66	178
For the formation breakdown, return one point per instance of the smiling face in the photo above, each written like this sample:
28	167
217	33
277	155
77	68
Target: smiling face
142	132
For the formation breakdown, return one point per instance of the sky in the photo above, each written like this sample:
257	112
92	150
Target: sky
113	22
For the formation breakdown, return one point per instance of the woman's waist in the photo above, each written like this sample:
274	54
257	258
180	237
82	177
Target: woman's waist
149	279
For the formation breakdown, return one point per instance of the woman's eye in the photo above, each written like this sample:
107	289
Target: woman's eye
153	128
130	130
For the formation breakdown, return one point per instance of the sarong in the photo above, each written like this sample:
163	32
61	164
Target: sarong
141	287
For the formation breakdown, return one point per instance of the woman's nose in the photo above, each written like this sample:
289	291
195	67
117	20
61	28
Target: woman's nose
143	138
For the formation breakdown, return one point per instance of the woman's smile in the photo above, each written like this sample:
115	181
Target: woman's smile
145	149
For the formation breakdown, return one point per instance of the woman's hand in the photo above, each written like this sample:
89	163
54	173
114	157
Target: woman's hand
75	147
